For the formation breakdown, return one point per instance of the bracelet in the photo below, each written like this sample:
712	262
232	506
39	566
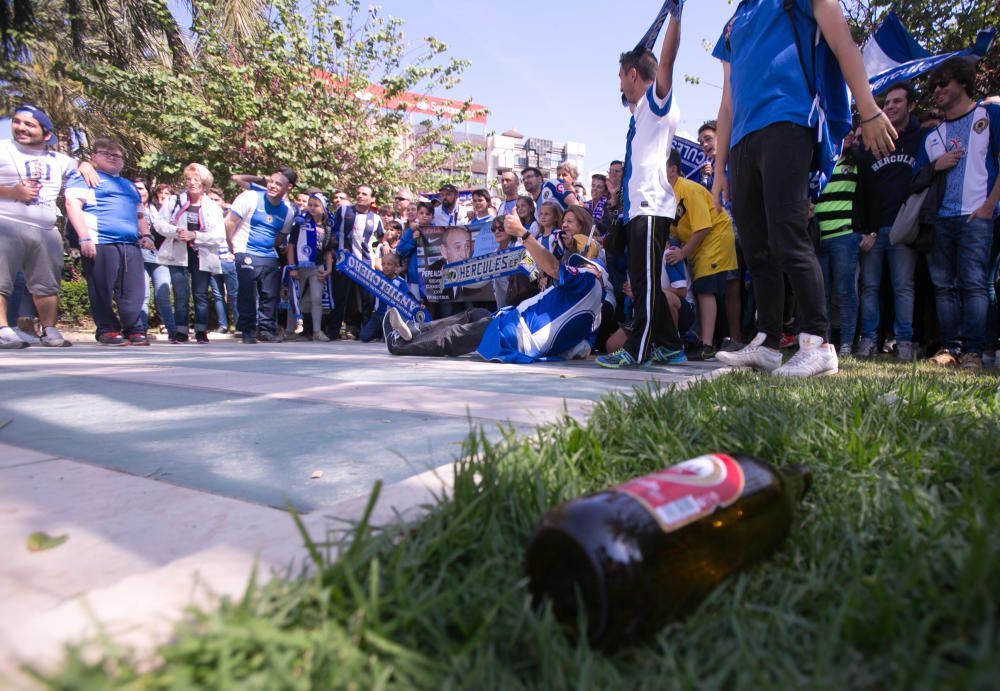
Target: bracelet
880	112
527	234
86	239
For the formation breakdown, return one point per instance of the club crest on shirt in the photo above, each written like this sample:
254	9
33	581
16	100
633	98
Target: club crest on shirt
980	125
269	218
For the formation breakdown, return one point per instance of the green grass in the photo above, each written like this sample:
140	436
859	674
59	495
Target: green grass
889	580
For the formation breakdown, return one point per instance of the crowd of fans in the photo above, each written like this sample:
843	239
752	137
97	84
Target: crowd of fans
263	264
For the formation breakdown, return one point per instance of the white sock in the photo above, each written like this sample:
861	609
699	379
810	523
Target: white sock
52	332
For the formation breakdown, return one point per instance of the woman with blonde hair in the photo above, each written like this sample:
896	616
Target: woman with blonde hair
193	228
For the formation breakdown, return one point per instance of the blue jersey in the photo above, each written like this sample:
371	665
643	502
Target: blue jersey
970	181
765	74
549	324
261	223
111	209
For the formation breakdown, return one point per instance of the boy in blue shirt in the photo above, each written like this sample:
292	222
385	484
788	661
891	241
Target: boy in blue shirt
372	329
111	224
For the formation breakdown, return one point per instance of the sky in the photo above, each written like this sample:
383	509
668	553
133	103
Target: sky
550	69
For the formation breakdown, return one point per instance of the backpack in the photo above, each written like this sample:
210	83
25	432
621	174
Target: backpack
831	106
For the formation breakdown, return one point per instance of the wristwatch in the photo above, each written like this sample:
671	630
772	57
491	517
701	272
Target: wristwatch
527	234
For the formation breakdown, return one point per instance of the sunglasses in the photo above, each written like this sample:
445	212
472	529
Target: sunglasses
940	84
114	156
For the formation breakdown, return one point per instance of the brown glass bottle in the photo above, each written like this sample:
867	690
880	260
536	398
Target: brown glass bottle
645	552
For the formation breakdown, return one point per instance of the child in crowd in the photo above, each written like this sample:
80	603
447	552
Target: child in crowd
310	257
550	228
407	249
372	329
525	210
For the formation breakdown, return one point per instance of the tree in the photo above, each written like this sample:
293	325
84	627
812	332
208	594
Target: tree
311	88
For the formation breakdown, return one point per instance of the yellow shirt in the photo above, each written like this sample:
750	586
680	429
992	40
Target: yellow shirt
717	252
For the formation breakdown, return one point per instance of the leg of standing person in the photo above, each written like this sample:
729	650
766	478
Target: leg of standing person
941	262
315	302
844	265
132	291
180	282
232	289
653	325
161	295
871	280
268	286
101	273
902	267
200	286
247	300
972	266
219	300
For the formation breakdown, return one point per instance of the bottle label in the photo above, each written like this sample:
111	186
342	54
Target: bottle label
688	491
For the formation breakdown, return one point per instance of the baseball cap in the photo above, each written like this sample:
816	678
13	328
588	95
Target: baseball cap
578	260
448	186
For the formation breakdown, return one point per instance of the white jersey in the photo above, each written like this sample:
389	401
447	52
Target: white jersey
647	192
49	168
443	218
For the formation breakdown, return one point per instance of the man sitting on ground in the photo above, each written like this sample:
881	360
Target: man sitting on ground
558	323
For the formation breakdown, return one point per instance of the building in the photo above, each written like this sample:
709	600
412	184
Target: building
513	151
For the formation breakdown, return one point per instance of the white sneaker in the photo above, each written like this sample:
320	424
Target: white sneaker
399	324
30	339
54	339
755	354
320	336
814	359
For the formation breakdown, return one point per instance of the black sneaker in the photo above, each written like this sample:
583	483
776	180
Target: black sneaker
112	338
266	337
703	353
731	345
138	339
179	337
248	338
201	337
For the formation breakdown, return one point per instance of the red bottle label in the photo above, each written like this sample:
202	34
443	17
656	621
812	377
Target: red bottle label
685	492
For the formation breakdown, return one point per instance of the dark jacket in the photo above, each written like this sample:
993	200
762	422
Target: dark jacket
886	183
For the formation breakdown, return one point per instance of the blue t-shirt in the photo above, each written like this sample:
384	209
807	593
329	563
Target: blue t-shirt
765	75
548	324
111	209
552	191
261	223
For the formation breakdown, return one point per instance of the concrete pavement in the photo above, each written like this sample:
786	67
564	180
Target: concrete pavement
169	467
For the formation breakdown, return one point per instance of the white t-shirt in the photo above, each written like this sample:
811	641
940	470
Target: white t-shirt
443	218
647	192
50	168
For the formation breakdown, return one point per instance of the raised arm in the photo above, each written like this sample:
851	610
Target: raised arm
879	134
723	131
668	54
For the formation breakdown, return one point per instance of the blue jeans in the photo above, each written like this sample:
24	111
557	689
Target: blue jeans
199	280
160	275
838	258
902	263
958	264
227	283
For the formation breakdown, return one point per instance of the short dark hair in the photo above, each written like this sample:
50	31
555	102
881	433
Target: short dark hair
426	206
962	70
218	191
708	125
642	59
289	174
107	143
674	159
911	92
616	162
485	194
599	176
370	189
532	169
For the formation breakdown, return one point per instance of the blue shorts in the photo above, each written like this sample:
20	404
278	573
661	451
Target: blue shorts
714	284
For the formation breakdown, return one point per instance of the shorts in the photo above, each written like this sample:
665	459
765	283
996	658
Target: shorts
714	284
36	252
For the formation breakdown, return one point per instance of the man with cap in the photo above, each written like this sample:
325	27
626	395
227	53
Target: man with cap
31	178
559	323
447	213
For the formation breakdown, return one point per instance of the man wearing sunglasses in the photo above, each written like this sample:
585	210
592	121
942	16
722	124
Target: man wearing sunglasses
966	147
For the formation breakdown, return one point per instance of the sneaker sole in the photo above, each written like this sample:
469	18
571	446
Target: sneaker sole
639	365
14	345
61	344
399	326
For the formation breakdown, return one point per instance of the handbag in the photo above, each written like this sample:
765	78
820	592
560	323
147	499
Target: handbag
906	226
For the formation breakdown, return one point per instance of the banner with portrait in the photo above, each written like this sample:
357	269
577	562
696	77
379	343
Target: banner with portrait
450	245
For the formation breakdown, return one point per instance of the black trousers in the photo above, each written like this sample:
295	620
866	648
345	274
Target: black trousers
770	191
654	325
116	275
451	336
352	304
257	298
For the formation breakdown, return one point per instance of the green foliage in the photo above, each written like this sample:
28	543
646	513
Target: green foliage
299	93
74	303
888	580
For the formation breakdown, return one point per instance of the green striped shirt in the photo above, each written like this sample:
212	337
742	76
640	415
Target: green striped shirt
835	209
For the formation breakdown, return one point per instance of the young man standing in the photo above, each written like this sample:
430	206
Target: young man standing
357	230
509	184
31	178
648	204
885	183
966	147
111	223
765	121
253	224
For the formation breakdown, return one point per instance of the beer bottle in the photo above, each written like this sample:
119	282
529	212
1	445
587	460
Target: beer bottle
647	551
